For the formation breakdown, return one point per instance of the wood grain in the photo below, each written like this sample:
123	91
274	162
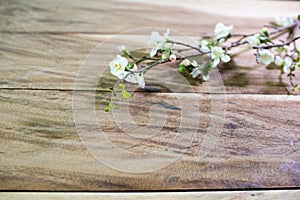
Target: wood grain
41	150
43	44
243	195
192	17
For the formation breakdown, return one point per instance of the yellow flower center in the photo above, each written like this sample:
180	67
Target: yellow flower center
265	57
118	66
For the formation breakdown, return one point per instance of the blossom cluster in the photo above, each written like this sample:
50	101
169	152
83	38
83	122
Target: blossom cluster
216	49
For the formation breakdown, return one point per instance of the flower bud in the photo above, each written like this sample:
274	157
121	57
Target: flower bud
172	57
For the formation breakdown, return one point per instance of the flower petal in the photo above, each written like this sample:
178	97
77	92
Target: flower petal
215	62
205	77
288	61
278	61
225	58
166	34
140	80
285	69
131	78
196	72
265	56
123	61
253	40
153	52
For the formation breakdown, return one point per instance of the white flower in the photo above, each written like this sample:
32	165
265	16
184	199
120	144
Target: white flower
253	40
204	46
265	56
135	77
156	41
186	62
284	21
222	31
117	66
217	54
172	57
286	63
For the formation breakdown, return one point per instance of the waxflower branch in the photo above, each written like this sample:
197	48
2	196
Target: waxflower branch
266	48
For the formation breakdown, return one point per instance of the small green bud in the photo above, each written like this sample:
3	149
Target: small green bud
265	31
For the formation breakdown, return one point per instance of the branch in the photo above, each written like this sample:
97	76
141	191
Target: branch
186	45
277	45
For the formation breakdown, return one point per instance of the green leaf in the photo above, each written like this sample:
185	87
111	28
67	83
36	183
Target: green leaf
108	107
126	94
262	38
269	40
130	66
298	17
182	68
127	53
292	68
282	49
122	86
297	60
164	56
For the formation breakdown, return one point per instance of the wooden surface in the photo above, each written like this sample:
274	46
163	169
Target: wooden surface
243	195
42	46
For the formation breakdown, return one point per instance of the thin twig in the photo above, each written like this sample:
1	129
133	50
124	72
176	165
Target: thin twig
277	45
186	45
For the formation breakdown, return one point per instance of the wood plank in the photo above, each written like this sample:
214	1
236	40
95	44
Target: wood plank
237	195
115	16
41	150
54	61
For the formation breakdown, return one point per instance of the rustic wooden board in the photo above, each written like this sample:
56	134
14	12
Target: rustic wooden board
41	150
44	43
241	195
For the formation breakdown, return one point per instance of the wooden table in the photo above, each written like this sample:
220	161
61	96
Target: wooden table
43	44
